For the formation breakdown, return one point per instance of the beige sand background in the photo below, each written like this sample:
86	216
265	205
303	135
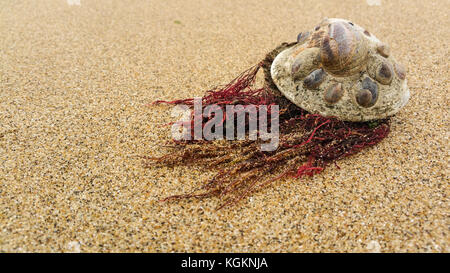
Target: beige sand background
74	83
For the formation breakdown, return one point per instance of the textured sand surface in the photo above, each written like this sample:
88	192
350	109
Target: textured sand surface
74	81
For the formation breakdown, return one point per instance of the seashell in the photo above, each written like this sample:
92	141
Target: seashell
343	51
305	62
334	93
364	98
314	79
384	73
340	69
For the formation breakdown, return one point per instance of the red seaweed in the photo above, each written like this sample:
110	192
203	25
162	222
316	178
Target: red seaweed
308	143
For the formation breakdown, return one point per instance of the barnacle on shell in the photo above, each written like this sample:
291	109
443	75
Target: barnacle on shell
334	93
342	49
314	79
384	73
306	62
341	69
302	36
400	70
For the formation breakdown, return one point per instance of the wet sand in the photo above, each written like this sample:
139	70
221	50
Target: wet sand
74	83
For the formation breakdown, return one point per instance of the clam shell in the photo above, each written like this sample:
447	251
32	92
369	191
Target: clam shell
314	79
359	79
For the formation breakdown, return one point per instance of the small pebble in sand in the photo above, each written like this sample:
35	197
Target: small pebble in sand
373	247
340	51
74	247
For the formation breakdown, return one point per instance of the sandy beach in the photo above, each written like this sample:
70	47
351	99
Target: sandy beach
75	79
